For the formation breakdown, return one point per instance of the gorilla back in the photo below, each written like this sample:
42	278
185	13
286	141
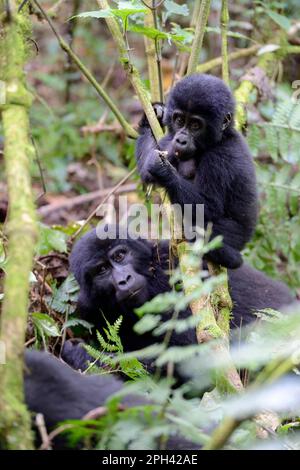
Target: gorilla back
60	393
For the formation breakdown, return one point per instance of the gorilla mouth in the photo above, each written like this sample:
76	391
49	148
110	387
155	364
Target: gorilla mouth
129	295
134	293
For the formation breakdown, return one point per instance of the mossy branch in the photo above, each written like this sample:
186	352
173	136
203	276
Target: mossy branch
185	56
88	75
21	228
153	72
239	54
199	34
224	40
215	312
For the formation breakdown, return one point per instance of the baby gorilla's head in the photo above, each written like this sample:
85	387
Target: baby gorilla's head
199	109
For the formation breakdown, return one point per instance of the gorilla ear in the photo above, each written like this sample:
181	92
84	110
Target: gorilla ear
227	121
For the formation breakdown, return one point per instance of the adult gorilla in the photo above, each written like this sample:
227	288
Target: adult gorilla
117	276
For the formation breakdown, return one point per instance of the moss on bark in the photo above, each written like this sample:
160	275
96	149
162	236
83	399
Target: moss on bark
15	425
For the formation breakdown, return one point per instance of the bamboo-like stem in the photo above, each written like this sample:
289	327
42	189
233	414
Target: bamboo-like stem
224	30
239	54
209	328
199	34
151	60
132	73
89	76
185	56
158	53
15	424
211	64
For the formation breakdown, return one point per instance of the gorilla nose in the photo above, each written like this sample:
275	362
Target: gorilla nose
124	283
181	141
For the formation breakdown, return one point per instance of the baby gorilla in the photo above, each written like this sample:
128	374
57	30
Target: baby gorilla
59	393
204	160
116	276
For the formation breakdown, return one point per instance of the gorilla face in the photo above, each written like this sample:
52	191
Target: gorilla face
199	109
189	132
115	274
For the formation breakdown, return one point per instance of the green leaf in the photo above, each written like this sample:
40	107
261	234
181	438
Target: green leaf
146	323
155	34
281	20
160	303
64	297
232	34
151	33
122	13
174	8
95	14
45	325
186	35
76	322
51	239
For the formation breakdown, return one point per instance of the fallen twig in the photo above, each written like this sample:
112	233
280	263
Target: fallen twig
69	203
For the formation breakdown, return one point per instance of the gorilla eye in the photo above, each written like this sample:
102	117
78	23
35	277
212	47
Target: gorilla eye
179	121
197	125
102	268
119	256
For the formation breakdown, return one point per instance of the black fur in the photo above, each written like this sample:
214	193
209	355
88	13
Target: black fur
98	297
60	393
211	165
250	291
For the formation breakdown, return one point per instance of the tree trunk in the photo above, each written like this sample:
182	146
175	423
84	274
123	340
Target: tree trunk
21	229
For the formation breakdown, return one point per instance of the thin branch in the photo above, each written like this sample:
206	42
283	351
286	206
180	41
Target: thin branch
153	73
224	29
63	44
154	5
216	62
69	203
158	53
185	56
94	212
199	34
286	187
